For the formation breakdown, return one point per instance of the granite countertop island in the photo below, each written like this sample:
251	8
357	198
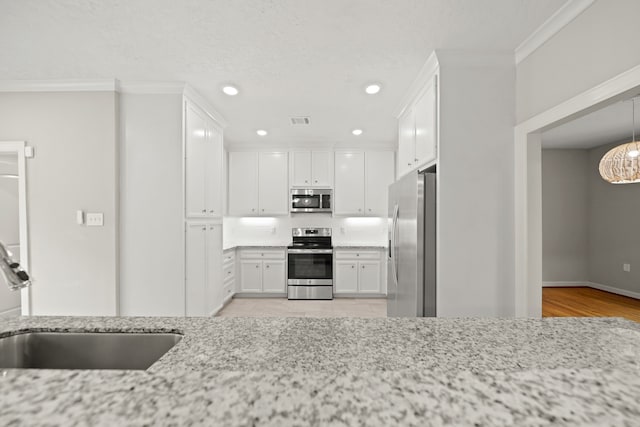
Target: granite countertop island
343	371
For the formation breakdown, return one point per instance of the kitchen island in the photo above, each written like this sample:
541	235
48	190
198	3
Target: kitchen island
343	371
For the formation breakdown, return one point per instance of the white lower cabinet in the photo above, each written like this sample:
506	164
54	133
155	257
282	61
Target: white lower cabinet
358	272
228	274
203	285
262	271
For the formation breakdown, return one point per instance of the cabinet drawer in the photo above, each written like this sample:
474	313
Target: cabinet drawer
358	255
228	272
228	256
262	254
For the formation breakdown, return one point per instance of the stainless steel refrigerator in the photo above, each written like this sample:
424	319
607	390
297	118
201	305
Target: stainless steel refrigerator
411	284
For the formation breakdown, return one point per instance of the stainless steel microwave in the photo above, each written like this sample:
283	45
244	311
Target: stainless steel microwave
311	200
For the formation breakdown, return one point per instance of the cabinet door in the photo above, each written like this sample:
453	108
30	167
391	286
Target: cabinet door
379	175
406	141
243	183
273	276
195	155
214	268
369	276
274	192
346	277
349	183
213	170
321	169
196	270
250	276
300	168
426	121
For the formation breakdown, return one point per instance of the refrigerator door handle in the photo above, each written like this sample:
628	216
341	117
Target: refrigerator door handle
394	222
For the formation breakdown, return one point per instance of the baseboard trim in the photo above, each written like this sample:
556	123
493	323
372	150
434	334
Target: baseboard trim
259	295
599	286
623	292
12	312
565	284
359	295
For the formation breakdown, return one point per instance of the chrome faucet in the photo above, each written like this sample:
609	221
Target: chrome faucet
15	276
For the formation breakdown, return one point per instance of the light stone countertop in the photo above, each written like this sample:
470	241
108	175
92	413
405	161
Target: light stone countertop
343	371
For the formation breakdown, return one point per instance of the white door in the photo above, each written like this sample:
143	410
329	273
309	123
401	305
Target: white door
273	186
214	268
379	175
195	155
196	270
346	277
406	142
243	183
321	169
214	167
273	276
301	169
426	126
250	276
349	184
369	276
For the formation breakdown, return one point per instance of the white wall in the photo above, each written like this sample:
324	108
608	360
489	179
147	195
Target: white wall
598	45
74	268
9	228
565	215
476	193
151	226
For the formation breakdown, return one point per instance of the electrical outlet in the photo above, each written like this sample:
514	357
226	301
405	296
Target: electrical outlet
626	267
95	219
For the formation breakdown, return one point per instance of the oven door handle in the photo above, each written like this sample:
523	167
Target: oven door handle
310	251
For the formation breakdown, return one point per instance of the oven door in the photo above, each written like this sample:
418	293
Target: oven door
310	267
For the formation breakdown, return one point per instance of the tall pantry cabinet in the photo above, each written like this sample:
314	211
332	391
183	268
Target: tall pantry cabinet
203	196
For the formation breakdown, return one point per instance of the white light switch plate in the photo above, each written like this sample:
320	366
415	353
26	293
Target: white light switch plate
626	267
95	219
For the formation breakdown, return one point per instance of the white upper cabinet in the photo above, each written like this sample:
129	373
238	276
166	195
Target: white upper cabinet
243	183
362	181
203	164
311	169
273	189
425	112
349	178
379	174
417	130
258	183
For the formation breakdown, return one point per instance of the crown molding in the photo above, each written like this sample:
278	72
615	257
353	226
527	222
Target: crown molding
563	16
151	88
79	85
193	96
426	73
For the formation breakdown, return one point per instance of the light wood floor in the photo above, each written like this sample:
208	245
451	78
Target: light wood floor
282	307
588	302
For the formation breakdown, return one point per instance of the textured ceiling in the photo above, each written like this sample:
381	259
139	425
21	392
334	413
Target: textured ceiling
604	126
288	57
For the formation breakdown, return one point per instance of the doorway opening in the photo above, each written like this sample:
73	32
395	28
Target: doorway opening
528	181
13	222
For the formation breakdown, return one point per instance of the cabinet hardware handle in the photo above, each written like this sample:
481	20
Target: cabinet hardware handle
353	266
316	181
369	209
257	266
204	211
409	164
363	267
204	228
306	182
357	254
267	265
262	210
211	211
416	160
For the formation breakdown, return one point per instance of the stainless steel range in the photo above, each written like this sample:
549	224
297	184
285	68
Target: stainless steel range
310	264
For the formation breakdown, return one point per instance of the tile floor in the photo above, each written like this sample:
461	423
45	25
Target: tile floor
282	307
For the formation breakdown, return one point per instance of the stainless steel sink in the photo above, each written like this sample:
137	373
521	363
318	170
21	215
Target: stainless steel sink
70	350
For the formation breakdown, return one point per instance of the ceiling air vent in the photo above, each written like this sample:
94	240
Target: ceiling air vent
300	120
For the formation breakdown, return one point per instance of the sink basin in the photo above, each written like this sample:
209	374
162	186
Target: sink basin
70	350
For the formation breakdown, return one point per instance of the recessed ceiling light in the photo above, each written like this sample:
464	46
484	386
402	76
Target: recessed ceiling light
230	90
357	132
372	89
261	132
